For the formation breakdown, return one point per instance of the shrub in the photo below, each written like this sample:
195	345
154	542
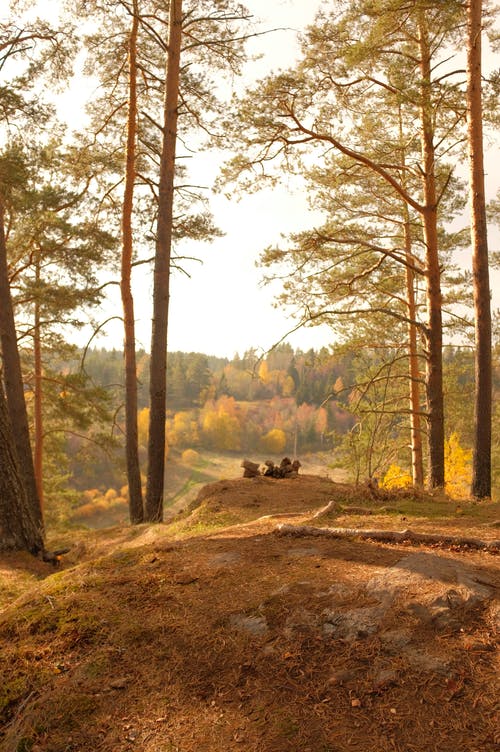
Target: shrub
274	441
190	457
396	477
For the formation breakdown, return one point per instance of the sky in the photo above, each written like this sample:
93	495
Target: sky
222	308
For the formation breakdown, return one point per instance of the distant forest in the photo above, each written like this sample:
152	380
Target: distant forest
290	401
345	404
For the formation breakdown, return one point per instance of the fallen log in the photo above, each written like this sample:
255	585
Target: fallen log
332	506
389	536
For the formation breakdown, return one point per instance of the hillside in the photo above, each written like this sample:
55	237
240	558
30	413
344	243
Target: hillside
216	633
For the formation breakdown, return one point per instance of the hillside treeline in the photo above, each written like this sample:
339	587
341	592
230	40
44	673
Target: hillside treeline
288	402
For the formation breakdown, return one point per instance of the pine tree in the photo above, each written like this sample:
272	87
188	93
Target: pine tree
481	476
351	59
19	530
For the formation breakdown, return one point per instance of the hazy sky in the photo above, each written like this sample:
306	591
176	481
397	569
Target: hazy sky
222	308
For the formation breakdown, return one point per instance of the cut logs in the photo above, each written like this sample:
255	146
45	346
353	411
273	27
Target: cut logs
286	469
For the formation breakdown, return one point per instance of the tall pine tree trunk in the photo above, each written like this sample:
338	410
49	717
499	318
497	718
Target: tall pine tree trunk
434	334
417	463
18	528
136	511
38	396
14	388
161	290
417	459
481	467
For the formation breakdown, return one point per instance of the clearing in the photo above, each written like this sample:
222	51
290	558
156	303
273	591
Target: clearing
216	633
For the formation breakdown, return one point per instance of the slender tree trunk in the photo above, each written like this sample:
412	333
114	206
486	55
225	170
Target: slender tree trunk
161	293
38	397
481	468
417	462
136	511
18	528
434	335
14	388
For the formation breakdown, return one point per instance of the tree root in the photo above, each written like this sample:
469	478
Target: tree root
390	536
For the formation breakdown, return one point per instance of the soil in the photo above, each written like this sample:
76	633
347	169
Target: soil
215	633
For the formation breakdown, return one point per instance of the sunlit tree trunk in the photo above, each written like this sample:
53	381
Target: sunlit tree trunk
38	394
161	293
417	463
136	511
14	389
481	468
434	335
417	460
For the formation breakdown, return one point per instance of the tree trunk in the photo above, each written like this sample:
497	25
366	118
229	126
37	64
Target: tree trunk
417	460
14	388
136	511
161	290
18	528
434	335
38	396
417	463
481	467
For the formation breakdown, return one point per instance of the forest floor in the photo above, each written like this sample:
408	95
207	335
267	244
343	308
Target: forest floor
216	633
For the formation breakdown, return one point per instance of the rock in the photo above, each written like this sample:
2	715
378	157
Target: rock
256	625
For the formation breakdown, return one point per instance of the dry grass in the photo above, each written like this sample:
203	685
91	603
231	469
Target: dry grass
213	634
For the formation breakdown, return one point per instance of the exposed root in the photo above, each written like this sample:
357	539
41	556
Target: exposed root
390	536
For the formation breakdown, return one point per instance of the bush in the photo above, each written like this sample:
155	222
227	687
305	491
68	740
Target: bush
396	477
274	441
190	457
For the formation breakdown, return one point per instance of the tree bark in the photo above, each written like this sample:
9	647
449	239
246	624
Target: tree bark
417	463
38	396
161	290
136	511
14	389
434	335
481	464
19	530
417	460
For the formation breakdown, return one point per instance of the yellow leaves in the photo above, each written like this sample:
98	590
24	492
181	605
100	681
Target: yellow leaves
221	428
182	431
274	441
264	372
143	426
396	477
457	467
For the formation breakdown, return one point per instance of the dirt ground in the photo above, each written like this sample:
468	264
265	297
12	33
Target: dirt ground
214	633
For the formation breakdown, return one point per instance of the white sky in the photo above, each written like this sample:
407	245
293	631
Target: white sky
222	308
